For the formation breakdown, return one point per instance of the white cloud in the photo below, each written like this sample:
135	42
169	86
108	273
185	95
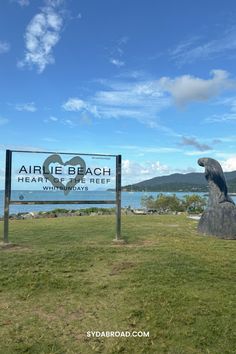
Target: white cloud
3	121
68	122
23	2
54	3
85	119
117	62
53	119
137	100
27	107
187	88
140	100
183	47
74	105
229	164
221	118
4	47
229	102
42	34
143	100
134	172
222	46
116	53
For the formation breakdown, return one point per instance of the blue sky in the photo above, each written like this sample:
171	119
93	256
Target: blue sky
153	80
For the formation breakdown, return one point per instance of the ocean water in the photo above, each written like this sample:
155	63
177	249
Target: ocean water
128	199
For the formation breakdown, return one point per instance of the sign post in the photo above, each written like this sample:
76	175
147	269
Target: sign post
118	197
64	178
7	194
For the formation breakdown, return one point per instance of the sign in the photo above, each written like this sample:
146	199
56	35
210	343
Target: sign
35	177
63	173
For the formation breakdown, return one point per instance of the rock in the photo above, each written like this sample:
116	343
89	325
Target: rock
28	216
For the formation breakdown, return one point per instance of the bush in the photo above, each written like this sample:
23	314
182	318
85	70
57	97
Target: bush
171	203
194	203
59	211
148	202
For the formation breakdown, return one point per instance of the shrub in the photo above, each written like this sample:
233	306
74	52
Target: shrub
194	203
171	203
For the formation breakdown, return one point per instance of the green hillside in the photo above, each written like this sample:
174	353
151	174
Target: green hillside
190	182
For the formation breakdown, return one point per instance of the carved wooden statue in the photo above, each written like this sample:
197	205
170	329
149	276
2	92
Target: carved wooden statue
219	218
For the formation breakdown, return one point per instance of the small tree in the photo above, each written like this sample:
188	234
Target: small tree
194	203
166	203
163	203
148	202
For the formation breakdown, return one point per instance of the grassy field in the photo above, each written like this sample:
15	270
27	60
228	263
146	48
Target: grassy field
66	277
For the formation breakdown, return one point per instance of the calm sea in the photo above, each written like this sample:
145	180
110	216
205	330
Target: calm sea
132	199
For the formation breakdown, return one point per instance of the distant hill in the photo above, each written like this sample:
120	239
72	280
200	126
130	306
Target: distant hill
178	182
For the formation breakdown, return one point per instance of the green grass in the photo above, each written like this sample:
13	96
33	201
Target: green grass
66	277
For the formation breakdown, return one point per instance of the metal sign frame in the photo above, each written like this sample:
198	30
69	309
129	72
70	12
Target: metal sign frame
8	201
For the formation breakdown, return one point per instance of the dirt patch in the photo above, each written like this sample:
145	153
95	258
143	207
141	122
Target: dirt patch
120	267
11	247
